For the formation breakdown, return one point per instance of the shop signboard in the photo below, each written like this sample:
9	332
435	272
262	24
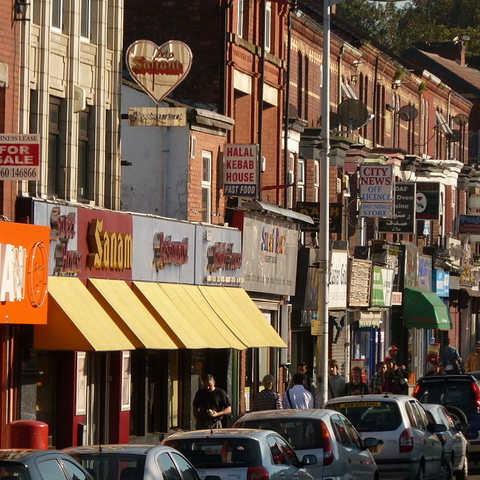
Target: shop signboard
312	209
403	220
338	284
105	239
240	170
163	250
427	201
360	283
23	273
65	259
469	224
382	287
441	283
20	156
425	272
218	259
376	190
269	254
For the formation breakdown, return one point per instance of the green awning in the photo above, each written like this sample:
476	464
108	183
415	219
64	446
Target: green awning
423	309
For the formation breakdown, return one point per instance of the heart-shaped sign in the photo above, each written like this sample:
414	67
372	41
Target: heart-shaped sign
158	69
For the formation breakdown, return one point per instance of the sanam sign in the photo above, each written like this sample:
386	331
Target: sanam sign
240	170
158	69
19	157
376	190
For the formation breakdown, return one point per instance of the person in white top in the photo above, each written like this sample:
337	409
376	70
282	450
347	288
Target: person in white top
297	396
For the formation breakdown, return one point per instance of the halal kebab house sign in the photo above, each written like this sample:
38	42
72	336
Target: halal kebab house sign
158	70
19	156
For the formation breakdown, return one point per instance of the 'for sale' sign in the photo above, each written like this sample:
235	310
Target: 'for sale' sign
19	156
240	170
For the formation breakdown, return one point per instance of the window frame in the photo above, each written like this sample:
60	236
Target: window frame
207	186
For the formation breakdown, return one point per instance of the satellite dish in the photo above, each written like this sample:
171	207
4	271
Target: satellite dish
352	113
461	119
408	113
454	136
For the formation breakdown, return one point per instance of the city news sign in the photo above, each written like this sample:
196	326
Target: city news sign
19	156
376	190
240	173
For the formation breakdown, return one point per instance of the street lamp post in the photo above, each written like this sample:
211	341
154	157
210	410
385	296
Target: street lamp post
324	221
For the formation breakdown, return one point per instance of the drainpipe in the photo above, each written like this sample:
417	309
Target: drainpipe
260	93
376	93
286	157
222	101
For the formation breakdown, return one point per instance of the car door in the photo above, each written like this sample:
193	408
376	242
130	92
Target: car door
283	460
432	448
349	460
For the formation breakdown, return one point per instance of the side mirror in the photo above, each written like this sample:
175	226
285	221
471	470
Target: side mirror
371	442
436	428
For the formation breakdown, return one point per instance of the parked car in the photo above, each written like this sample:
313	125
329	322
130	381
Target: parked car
410	448
39	465
339	449
134	462
460	395
241	454
455	446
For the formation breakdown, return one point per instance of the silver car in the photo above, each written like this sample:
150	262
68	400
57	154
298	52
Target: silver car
134	462
240	454
410	448
340	452
455	445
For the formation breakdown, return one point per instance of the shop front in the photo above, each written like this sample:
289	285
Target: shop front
23	303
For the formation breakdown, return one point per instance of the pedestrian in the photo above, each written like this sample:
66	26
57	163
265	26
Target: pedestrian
356	386
450	358
210	405
392	382
297	396
392	352
268	398
377	380
308	381
437	369
473	360
336	383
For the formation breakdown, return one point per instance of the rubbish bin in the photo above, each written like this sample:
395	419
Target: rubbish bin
27	434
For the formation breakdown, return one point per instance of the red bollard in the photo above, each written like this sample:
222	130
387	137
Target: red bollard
27	434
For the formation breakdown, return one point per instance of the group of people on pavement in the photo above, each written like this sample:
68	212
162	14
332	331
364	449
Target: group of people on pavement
211	404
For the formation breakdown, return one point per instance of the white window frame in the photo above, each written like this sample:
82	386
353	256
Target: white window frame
268	26
60	15
301	180
85	23
316	180
290	180
240	18
207	186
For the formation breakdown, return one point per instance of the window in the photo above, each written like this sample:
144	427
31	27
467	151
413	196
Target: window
51	469
290	180
301	180
240	19
73	471
316	180
207	186
85	173
53	180
168	468
57	6
85	19
268	26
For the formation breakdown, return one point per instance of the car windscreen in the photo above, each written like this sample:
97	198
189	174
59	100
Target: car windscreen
455	393
218	452
113	466
301	433
12	471
372	416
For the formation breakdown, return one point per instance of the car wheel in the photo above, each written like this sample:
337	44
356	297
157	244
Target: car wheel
457	414
446	470
421	472
463	473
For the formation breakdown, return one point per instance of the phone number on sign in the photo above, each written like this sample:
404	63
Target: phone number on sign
18	173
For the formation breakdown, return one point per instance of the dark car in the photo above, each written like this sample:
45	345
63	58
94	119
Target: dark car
460	395
39	465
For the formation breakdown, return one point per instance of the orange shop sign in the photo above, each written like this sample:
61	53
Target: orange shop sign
24	251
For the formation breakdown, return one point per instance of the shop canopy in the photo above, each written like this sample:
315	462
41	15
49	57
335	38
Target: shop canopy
423	309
